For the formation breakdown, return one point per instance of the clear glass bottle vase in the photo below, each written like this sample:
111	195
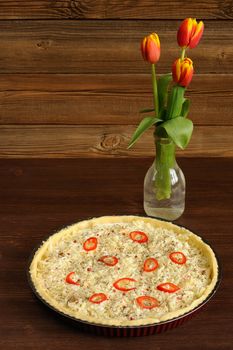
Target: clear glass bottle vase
164	184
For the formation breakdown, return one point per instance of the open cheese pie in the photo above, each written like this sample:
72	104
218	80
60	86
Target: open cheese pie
124	271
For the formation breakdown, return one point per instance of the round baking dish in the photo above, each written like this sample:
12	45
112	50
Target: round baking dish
127	331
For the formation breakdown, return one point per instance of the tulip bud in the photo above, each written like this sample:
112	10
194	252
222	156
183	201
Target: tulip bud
190	33
150	48
182	71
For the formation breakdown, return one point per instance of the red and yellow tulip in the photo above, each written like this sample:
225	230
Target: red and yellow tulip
150	48
170	107
182	71
190	33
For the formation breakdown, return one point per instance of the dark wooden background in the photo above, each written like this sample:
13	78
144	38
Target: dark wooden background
71	83
72	78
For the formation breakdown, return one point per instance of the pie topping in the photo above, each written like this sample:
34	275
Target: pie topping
70	280
90	244
146	302
98	298
178	258
121	271
168	287
109	260
138	236
150	264
124	284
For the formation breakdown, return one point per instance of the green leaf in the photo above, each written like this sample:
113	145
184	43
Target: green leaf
163	84
160	131
145	124
179	130
145	110
175	102
185	108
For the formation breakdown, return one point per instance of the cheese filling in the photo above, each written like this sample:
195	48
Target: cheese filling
68	255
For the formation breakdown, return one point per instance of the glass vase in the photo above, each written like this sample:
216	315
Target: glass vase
164	184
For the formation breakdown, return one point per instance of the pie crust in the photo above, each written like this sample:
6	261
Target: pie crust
191	238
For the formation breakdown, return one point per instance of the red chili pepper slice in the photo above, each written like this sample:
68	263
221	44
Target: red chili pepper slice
98	298
147	302
90	244
109	260
150	264
69	279
168	287
138	236
178	258
123	284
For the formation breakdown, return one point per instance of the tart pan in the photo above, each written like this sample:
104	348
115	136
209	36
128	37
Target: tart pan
127	331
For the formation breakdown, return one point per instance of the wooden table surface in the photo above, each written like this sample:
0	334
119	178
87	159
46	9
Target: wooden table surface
40	196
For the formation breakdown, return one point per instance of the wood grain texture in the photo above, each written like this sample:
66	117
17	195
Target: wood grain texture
104	99
74	141
41	196
105	46
141	9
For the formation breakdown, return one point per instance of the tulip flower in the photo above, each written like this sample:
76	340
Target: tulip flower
182	71
150	48
190	33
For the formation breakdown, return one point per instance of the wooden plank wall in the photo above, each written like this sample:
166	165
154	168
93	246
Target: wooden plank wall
72	79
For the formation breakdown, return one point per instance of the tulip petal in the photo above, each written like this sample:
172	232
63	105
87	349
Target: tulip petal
150	48
155	37
194	27
197	35
184	32
176	70
143	46
186	76
182	71
152	51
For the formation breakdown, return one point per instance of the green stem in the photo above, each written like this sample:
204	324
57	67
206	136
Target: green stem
155	91
183	53
165	160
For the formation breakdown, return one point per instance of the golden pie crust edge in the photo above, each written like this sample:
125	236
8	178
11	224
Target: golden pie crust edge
88	224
